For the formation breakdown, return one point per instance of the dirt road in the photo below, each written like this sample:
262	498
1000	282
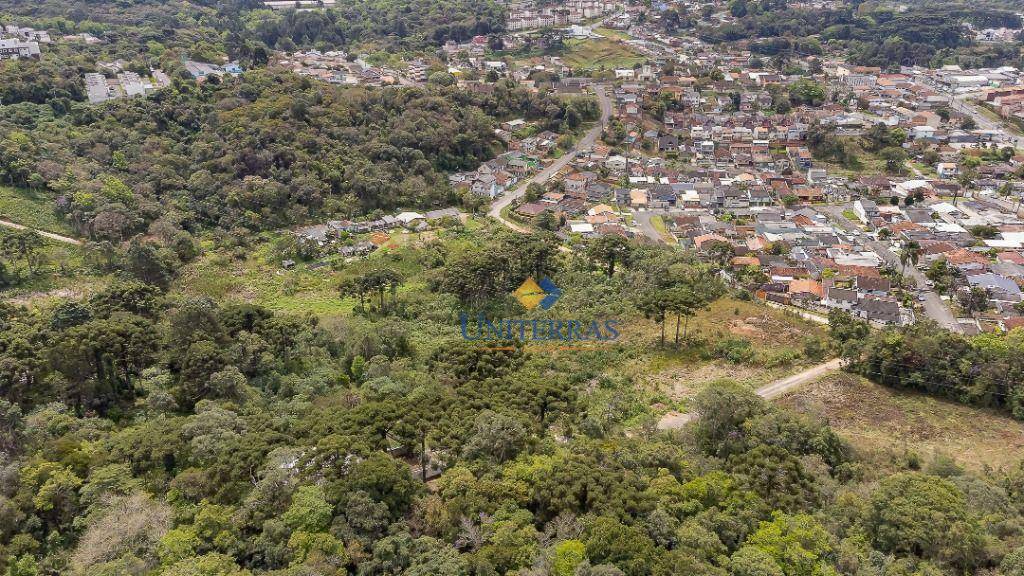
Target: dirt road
43	233
674	420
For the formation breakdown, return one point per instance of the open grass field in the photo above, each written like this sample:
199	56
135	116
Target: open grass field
31	209
598	54
308	288
612	33
672	376
884	423
260	279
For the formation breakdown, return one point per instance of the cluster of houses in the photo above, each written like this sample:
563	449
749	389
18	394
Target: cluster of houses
720	166
114	80
202	70
18	42
476	47
299	5
795	257
343	236
980	240
338	67
494	177
122	83
730	171
527	149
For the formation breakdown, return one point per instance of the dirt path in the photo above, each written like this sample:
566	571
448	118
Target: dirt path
674	420
43	233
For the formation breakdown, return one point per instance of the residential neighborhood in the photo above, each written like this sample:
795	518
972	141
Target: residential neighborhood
717	164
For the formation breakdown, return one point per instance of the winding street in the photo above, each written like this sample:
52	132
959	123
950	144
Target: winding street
586	142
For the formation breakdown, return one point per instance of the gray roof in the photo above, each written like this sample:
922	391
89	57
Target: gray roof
879	307
840	294
989	280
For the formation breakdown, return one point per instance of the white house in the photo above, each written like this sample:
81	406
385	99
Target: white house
866	210
946	169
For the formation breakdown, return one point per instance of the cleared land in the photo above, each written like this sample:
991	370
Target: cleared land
672	377
31	209
883	423
599	53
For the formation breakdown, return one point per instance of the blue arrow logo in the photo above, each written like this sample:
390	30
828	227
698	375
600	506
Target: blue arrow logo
552	293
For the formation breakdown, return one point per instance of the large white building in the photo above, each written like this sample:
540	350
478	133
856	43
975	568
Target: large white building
13	49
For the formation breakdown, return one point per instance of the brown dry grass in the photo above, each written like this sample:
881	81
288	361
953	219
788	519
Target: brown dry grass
674	376
880	421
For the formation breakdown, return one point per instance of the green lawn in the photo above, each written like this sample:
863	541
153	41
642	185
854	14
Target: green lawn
610	33
32	209
601	53
659	224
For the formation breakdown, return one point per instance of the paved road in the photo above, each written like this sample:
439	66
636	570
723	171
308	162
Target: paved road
587	141
674	420
806	315
642	219
44	234
963	106
933	305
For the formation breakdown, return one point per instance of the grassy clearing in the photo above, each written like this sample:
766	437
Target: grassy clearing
885	424
673	376
659	225
260	279
62	275
310	287
32	209
610	33
599	54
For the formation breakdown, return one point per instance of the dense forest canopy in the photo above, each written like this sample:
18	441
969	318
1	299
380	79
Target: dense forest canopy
261	151
363	24
985	370
395	24
149	431
874	35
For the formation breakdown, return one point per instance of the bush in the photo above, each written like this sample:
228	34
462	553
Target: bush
735	350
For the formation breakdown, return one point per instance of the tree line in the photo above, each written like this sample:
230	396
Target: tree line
985	370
